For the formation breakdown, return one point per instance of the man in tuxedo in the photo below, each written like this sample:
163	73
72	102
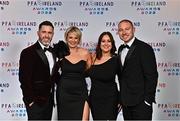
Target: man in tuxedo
138	80
36	75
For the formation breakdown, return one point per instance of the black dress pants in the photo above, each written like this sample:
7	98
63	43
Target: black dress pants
40	112
141	111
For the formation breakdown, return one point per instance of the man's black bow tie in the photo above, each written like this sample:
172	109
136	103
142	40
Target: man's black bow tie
48	49
125	46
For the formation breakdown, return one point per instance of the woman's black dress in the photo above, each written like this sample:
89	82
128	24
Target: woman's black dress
71	90
103	96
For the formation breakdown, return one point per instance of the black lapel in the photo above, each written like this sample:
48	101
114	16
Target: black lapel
54	58
41	53
119	56
131	49
120	49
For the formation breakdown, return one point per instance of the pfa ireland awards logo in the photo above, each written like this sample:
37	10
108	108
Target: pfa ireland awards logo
18	27
170	27
148	7
11	67
96	7
169	68
44	7
63	25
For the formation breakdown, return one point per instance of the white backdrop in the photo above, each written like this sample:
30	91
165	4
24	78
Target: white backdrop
157	22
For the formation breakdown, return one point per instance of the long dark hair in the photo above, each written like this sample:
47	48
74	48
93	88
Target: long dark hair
98	49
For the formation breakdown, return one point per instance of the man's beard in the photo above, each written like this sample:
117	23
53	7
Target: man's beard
45	43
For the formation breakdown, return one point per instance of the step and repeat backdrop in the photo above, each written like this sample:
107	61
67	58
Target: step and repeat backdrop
157	22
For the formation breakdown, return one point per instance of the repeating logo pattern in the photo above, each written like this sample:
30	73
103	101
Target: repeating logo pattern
157	46
3	4
170	109
44	7
3	86
90	45
18	27
170	68
15	110
113	25
96	7
170	27
63	25
4	45
11	67
148	7
160	86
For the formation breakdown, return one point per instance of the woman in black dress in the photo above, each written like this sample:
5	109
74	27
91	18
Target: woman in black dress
72	94
103	96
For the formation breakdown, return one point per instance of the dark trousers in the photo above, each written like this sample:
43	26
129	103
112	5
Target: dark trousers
40	112
138	112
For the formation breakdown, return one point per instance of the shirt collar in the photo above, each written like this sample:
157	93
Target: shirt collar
42	46
130	42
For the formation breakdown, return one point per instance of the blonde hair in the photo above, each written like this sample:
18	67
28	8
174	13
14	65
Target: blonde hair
73	29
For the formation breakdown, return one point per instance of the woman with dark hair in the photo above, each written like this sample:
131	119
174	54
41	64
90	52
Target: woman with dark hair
103	96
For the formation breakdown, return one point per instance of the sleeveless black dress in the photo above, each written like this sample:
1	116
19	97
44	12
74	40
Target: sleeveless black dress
71	90
103	96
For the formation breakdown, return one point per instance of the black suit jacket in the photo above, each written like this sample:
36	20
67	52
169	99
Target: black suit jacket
138	77
34	75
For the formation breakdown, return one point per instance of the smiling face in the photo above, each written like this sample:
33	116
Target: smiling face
45	34
106	44
126	31
72	40
73	36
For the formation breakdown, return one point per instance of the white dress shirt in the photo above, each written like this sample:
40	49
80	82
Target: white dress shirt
125	50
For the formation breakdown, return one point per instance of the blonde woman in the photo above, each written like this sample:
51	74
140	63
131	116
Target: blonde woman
72	94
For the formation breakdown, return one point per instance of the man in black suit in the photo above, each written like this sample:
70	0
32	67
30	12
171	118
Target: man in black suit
139	74
36	75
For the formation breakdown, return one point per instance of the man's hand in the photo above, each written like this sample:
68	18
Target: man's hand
31	104
119	107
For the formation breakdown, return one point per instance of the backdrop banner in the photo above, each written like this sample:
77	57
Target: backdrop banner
157	22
